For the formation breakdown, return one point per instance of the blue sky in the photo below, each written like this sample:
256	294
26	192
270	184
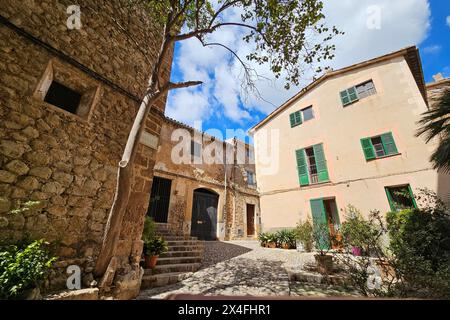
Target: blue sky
219	104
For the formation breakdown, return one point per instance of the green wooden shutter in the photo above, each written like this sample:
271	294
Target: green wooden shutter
391	201
389	143
321	163
369	151
292	119
320	222
411	194
345	97
295	118
352	94
302	167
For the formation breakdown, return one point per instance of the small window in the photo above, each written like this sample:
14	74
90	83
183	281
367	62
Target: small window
366	89
312	165
400	197
63	97
308	113
196	149
357	92
379	146
251	181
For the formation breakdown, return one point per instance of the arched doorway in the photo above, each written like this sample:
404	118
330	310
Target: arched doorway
204	214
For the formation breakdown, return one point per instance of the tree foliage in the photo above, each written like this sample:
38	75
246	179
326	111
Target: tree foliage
287	34
436	124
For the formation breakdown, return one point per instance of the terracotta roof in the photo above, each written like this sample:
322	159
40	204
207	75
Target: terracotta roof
411	55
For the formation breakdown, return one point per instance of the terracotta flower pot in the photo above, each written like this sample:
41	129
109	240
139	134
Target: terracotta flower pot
324	263
285	246
272	245
356	251
386	270
150	261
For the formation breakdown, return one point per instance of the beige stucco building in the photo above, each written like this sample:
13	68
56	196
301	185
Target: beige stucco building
349	138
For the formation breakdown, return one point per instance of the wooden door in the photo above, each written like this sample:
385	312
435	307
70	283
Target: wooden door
204	216
250	219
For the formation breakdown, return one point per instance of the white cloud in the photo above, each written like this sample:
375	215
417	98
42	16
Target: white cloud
448	21
401	23
432	49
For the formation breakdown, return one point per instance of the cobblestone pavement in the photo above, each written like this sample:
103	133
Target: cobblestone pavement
242	268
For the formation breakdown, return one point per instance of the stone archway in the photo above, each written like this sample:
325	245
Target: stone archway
204	214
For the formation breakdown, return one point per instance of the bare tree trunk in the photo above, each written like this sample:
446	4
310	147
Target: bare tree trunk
123	186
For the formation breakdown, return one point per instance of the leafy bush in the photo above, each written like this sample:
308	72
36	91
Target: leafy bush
286	237
23	268
359	232
420	242
304	233
149	232
156	246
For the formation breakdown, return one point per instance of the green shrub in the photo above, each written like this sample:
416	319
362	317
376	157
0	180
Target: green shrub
23	268
420	242
304	233
155	247
359	232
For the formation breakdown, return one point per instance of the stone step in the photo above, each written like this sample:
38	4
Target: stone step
193	253
164	279
179	238
169	268
184	242
178	260
195	247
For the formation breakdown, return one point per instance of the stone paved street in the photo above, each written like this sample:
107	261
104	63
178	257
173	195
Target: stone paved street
244	268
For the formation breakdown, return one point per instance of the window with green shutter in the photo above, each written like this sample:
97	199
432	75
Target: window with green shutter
312	165
400	197
295	118
358	92
379	146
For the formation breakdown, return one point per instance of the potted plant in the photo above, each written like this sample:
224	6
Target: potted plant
355	231
304	235
271	240
286	239
321	236
262	237
153	249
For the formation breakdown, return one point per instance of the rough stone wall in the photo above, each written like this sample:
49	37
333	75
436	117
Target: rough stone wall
67	163
188	177
436	89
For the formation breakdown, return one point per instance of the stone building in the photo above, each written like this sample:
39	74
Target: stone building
204	187
68	98
349	138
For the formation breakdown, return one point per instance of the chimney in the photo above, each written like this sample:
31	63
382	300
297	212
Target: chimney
438	77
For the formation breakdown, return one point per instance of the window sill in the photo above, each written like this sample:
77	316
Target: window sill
316	184
384	157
